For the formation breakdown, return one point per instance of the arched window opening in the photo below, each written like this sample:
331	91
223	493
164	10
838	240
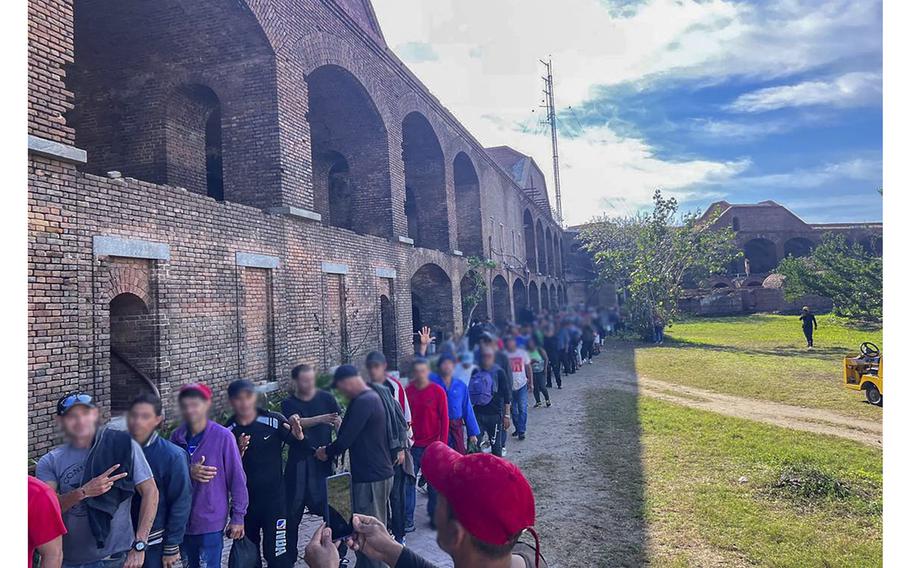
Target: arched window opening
424	173
467	207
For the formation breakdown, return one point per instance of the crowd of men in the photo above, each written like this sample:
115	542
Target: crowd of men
113	498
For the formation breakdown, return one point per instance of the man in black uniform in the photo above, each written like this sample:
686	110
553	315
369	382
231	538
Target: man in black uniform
318	412
261	436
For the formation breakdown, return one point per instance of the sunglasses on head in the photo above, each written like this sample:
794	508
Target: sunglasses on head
73	399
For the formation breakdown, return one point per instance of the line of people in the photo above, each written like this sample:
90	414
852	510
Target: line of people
135	499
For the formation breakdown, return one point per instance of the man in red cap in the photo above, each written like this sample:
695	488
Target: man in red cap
484	505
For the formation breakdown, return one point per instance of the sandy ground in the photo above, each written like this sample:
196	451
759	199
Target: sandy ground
794	417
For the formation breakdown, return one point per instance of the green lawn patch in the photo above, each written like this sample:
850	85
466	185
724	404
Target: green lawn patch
728	491
762	357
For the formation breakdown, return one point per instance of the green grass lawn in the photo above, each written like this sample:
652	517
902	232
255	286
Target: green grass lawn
712	490
762	357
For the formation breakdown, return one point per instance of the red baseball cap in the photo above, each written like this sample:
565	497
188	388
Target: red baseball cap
202	389
489	495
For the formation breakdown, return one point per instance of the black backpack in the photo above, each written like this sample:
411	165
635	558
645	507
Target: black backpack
244	554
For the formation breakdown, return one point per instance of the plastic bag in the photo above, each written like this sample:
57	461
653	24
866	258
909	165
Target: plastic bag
244	554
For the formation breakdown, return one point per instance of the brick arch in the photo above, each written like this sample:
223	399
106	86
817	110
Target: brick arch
426	176
129	279
320	49
432	300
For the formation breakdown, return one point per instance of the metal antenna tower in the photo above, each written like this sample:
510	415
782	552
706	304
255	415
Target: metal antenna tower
551	120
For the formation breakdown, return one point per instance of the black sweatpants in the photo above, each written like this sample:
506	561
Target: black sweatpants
587	348
553	370
807	331
490	425
540	388
266	525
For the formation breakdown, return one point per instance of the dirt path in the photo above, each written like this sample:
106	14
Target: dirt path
795	417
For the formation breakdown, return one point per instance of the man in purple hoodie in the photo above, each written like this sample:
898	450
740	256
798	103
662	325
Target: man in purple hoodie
219	485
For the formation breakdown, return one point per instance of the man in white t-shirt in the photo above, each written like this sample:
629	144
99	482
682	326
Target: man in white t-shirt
522	382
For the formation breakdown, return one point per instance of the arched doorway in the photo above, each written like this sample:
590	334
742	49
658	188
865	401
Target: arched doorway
762	255
534	297
467	206
502	307
554	298
520	300
133	356
544	297
797	247
425	177
551	265
431	301
351	180
530	243
473	298
389	335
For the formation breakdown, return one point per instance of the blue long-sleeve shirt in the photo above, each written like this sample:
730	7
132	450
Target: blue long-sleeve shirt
459	403
172	475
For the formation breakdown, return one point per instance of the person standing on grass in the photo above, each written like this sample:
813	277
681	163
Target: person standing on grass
304	475
95	474
261	437
522	382
430	422
539	364
220	496
810	324
659	325
172	477
45	525
461	414
398	426
364	436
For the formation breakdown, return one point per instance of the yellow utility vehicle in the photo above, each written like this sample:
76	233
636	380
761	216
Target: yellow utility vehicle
865	372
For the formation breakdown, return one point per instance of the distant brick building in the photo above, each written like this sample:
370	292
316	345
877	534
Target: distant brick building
767	232
226	189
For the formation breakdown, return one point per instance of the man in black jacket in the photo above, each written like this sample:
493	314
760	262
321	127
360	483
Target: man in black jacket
172	476
364	435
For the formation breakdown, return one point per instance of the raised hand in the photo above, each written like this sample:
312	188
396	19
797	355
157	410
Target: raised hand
103	483
293	424
202	473
425	337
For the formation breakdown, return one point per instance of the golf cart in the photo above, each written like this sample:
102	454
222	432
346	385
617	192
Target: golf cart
864	372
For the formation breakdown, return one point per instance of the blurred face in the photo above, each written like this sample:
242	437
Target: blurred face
79	422
446	368
376	372
141	421
244	404
194	409
487	357
420	372
532	344
306	381
351	387
510	345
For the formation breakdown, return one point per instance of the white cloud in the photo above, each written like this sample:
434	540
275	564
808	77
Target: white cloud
487	71
851	89
858	169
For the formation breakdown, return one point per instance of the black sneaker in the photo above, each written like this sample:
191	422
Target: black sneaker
515	434
536	405
548	404
521	436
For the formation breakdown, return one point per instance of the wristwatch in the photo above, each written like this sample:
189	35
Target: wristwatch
140	545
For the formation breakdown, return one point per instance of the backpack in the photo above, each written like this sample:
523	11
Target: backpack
244	554
482	387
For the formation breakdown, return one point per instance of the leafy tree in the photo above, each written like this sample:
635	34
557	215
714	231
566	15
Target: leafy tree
651	254
839	270
477	290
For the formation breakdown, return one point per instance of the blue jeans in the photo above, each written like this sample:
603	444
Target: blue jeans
520	409
202	550
410	500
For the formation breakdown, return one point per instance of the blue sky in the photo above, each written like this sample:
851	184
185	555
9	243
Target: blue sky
708	100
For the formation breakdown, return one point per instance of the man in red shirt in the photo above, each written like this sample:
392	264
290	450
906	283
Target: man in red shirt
45	525
430	423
